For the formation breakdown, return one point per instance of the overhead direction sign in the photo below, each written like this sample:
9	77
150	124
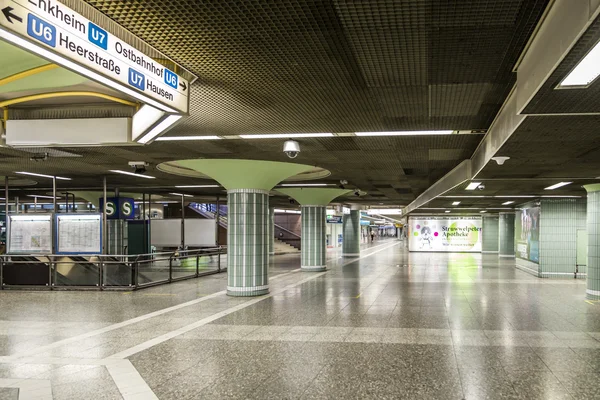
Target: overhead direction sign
50	25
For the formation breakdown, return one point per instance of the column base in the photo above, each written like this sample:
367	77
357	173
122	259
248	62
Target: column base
351	255
506	255
248	291
592	294
314	268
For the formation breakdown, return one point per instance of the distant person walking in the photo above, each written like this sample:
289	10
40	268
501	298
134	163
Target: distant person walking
372	236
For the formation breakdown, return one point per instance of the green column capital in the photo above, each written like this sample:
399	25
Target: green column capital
313	196
594	187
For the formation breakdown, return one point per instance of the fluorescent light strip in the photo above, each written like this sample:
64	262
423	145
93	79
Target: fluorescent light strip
517	196
464	197
160	128
181	194
184	138
43	176
455	203
447	211
557	196
404	133
118	171
285	135
195	186
41	197
303	184
586	71
557	185
507	203
473	186
9	37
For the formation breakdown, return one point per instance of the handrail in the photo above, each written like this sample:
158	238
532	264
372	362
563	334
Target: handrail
107	271
287	230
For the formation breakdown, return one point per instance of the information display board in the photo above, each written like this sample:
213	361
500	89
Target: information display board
439	234
527	233
29	234
79	234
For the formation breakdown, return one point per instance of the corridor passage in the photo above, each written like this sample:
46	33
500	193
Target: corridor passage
387	324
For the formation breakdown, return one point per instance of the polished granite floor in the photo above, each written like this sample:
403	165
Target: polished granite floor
386	325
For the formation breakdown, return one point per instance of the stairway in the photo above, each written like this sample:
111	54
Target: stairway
283	248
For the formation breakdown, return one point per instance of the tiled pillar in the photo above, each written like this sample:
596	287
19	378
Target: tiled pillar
247	242
506	234
593	253
351	232
314	248
489	225
271	231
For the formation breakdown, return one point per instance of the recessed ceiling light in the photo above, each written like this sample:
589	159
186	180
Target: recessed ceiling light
403	133
557	185
118	171
285	135
180	138
455	203
507	203
303	184
464	197
181	194
586	71
195	186
473	186
43	176
482	211
447	211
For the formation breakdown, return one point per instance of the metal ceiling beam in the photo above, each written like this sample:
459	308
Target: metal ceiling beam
27	73
460	174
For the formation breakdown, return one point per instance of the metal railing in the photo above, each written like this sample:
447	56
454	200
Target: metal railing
107	272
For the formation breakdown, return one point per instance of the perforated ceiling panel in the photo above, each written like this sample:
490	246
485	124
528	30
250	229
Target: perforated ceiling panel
337	66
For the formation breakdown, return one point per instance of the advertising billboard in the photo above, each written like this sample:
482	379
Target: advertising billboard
527	233
462	234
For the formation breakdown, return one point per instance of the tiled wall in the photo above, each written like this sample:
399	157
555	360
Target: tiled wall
490	234
559	221
593	224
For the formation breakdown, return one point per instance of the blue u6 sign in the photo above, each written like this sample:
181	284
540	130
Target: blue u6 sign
41	30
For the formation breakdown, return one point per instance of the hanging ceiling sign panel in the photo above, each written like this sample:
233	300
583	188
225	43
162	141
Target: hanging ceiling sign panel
56	32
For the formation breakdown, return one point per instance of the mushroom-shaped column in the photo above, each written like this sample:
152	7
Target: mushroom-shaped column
248	183
593	250
313	202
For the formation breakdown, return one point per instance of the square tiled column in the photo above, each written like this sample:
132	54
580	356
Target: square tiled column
593	230
351	232
506	238
314	246
271	231
247	242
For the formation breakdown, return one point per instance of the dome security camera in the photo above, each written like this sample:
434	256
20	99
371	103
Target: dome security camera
481	187
357	192
291	148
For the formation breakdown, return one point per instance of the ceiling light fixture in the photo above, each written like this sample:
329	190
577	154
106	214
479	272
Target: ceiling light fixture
285	135
447	211
557	185
404	133
118	171
473	186
517	196
182	138
43	176
455	203
500	160
181	194
561	197
303	184
195	186
482	211
586	71
464	197
507	203
41	197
